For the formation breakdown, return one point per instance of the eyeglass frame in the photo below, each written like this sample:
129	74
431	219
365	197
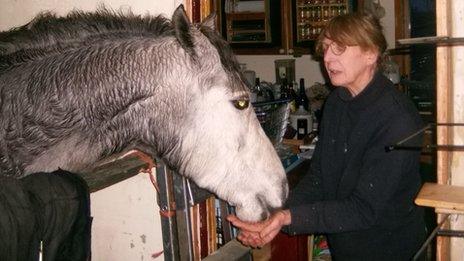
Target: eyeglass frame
341	48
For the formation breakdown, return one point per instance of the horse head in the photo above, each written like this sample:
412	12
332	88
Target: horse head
77	89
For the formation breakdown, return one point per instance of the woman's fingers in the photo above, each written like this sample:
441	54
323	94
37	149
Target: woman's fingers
257	234
249	238
255	227
269	235
274	226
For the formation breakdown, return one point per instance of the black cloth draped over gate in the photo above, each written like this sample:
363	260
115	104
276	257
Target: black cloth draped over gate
50	207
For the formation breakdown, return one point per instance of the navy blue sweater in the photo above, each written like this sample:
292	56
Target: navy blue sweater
356	192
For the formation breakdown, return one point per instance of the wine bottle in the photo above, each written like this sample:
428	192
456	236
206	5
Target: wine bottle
302	98
259	91
293	96
283	89
291	92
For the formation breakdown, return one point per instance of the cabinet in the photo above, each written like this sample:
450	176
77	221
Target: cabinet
248	24
276	26
313	15
251	27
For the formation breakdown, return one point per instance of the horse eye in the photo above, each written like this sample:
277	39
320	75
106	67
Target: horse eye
241	104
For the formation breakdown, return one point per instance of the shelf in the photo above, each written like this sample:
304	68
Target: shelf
438	40
444	197
250	31
311	18
246	16
322	4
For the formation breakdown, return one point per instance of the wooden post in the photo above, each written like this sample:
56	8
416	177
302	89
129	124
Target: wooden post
402	31
444	110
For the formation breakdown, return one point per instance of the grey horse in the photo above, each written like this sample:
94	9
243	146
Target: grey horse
76	89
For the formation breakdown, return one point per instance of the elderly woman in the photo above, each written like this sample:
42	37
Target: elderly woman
357	193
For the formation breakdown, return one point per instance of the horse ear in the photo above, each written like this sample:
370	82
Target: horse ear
181	25
210	21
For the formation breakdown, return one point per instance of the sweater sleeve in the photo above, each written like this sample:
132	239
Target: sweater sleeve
379	177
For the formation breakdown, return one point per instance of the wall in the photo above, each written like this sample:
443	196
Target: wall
305	66
126	222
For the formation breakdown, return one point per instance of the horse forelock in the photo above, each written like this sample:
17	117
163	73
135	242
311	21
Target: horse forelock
48	33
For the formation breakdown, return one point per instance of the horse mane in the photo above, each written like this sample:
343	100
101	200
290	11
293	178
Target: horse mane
47	33
228	59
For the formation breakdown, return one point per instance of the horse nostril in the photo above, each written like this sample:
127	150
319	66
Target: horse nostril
264	214
264	206
262	200
267	208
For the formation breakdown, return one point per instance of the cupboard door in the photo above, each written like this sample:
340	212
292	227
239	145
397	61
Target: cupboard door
251	27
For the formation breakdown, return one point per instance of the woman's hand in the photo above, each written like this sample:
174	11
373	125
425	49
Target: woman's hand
275	224
249	231
260	233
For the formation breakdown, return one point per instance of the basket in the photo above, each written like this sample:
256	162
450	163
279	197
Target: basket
273	117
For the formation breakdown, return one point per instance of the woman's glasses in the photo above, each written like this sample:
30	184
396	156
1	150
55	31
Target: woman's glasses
336	48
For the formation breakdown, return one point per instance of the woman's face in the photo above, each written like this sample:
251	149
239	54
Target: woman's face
348	66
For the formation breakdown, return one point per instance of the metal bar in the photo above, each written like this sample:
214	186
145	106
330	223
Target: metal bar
429	239
414	134
226	226
432	146
167	210
435	40
451	124
448	147
450	233
196	193
184	225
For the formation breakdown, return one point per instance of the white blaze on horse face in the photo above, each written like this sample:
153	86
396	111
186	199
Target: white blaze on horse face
229	154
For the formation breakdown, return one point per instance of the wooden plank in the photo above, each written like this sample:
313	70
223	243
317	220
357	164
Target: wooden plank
195	226
115	169
212	225
441	196
286	30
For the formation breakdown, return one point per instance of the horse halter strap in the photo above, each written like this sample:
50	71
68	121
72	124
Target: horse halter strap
149	170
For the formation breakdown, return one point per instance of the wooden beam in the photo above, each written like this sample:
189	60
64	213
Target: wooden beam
286	30
402	22
444	110
115	169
